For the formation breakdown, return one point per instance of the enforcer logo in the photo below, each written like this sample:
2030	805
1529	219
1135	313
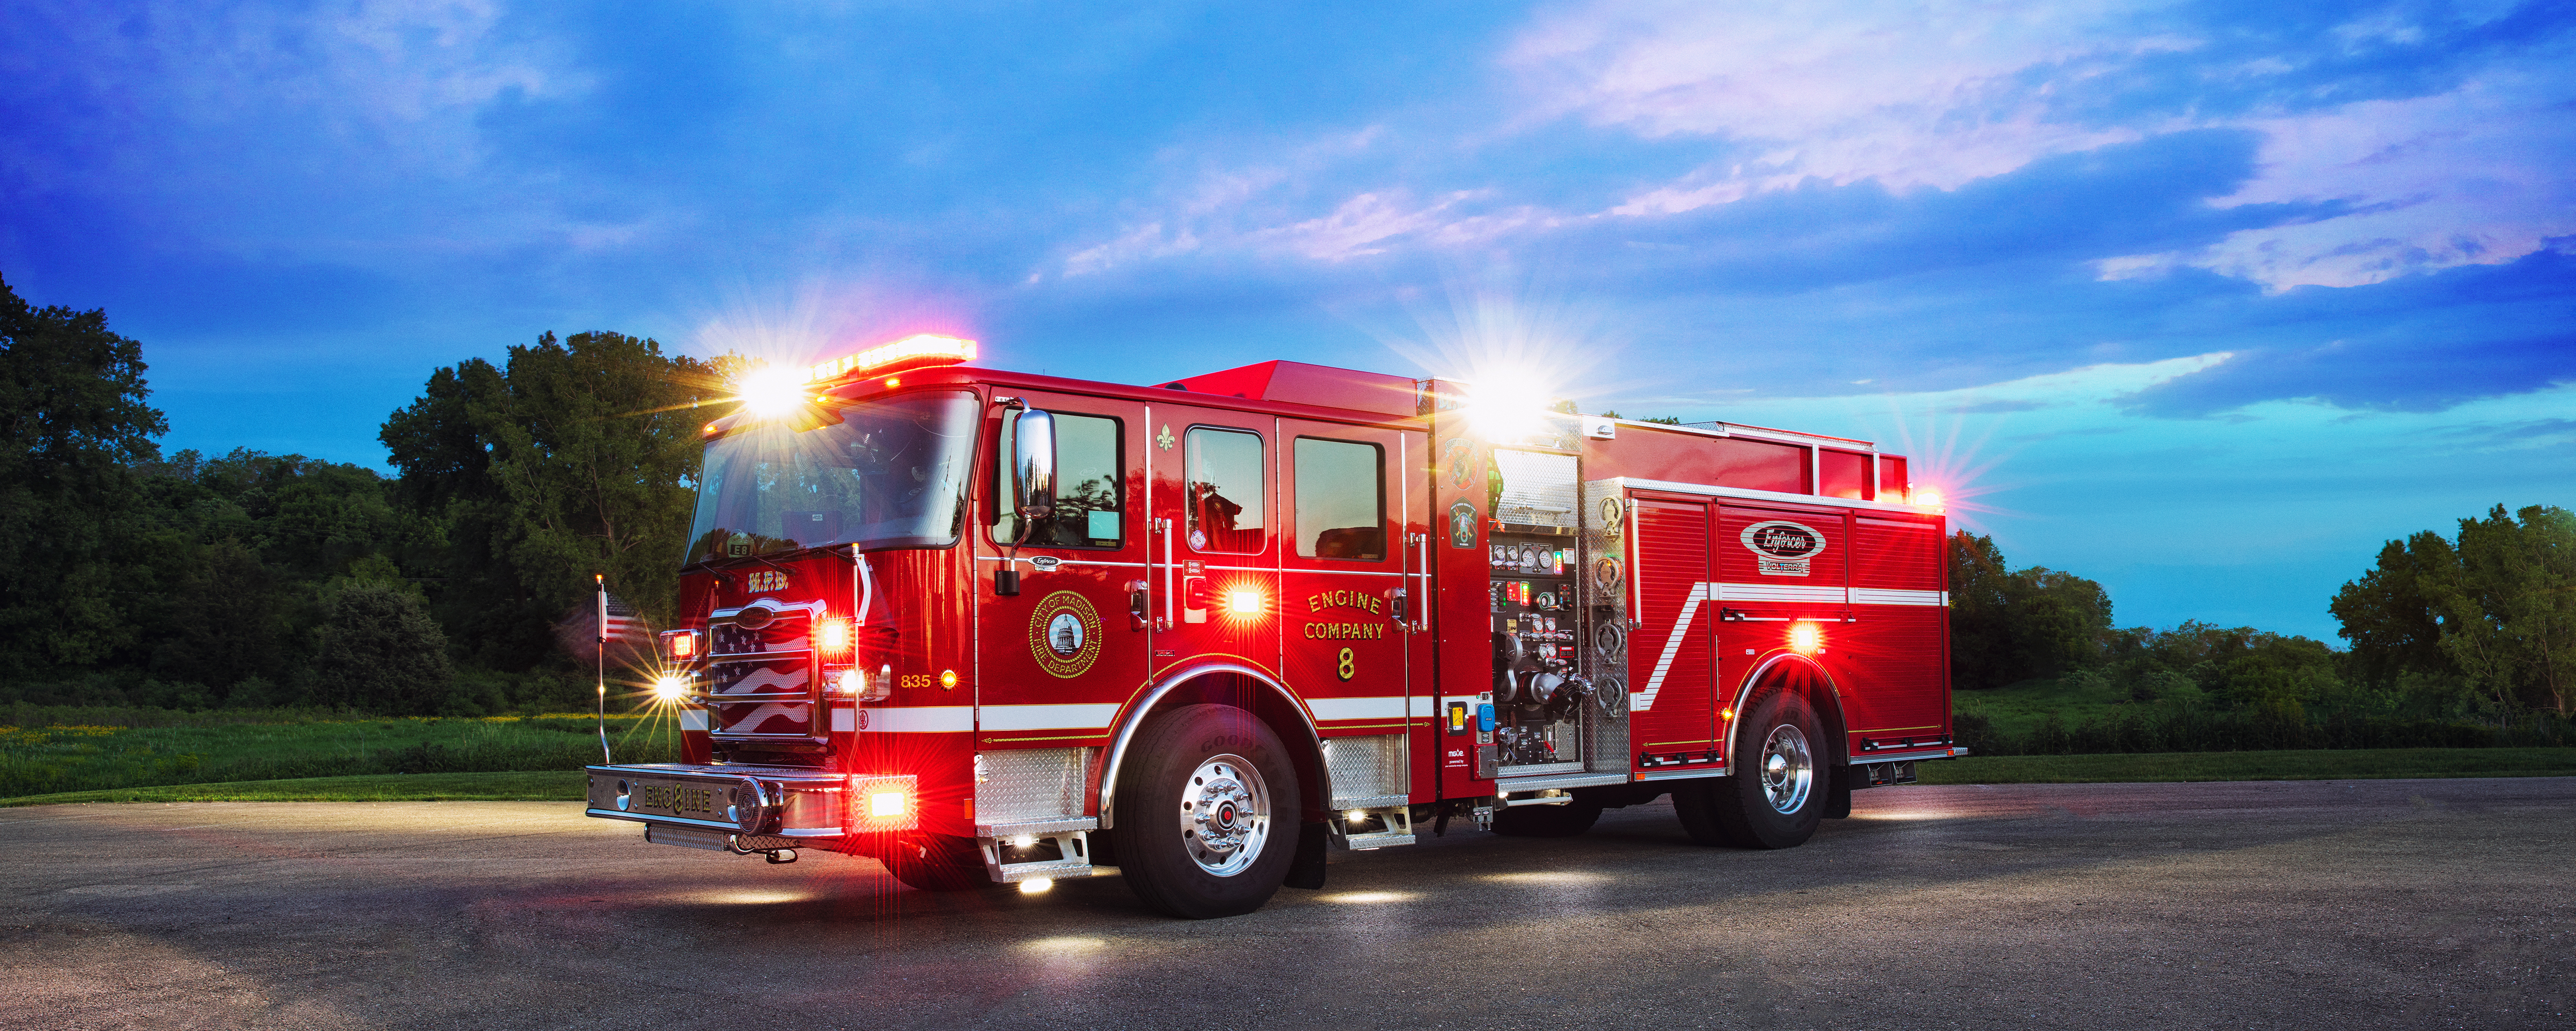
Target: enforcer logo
1783	548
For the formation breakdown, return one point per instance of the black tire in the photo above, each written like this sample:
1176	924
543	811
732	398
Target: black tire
1694	801
937	862
1207	813
1759	804
1547	821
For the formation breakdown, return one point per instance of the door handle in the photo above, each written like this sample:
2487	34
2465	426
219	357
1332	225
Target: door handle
1136	603
1164	526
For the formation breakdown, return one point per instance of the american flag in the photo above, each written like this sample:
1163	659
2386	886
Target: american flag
620	622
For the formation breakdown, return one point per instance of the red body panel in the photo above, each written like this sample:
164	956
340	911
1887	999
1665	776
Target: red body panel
1094	635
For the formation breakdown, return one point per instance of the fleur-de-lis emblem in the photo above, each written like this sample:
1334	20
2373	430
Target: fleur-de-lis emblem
1164	439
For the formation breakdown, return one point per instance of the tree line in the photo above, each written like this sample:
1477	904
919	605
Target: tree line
253	580
2466	639
128	576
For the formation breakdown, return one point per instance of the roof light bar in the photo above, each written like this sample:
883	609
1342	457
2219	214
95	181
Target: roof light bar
913	352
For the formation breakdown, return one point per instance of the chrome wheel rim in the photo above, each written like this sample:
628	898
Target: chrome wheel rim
1788	769
1225	815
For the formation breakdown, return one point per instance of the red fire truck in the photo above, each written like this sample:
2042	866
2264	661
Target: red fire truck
985	626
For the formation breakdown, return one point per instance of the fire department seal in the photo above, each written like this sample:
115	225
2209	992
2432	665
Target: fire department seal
1781	547
1064	634
1461	471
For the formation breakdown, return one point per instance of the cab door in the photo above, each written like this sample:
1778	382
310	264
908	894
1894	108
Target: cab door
1063	652
1351	597
1213	494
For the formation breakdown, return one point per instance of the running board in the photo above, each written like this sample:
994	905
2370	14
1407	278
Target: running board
1049	856
1359	830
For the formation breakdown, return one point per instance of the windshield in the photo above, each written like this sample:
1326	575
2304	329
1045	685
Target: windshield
888	473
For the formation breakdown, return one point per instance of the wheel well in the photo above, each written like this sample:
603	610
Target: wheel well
1801	674
1238	688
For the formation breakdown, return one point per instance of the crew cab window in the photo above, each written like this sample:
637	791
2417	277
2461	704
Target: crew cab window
1341	500
1090	495
1225	500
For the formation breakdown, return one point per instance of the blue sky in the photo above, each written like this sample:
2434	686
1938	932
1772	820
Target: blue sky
2202	300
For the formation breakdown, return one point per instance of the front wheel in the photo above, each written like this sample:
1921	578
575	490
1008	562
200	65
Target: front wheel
1207	813
1774	793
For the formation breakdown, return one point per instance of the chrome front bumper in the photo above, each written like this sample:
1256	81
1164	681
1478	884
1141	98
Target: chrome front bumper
773	801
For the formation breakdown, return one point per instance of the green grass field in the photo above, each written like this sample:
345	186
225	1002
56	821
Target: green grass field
47	760
2017	709
2312	764
542	786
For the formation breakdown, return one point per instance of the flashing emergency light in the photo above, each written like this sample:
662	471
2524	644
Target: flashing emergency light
948	679
851	683
1806	638
770	392
1508	406
670	687
1243	602
835	635
1924	496
680	645
883	803
918	351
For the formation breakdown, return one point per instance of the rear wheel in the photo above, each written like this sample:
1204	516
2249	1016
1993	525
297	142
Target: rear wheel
1774	793
1207	813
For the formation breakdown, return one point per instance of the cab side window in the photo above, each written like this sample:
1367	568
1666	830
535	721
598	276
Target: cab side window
1090	493
1225	500
1341	500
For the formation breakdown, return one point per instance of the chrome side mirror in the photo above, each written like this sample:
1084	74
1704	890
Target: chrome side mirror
1033	475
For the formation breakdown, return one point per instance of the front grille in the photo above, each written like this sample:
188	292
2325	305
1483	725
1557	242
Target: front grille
760	682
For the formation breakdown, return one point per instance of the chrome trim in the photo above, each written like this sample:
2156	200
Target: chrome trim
788	776
1063	561
1365	842
1053	869
1705	490
1370	802
745	699
1586	780
725	826
1917	755
867	591
1728	429
1693	773
809	608
1169	584
1004	830
1136	712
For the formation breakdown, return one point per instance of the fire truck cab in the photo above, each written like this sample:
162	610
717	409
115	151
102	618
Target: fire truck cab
984	626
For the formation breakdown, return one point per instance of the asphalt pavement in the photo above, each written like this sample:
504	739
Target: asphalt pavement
2341	904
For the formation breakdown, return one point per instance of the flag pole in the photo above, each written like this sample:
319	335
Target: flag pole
602	580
